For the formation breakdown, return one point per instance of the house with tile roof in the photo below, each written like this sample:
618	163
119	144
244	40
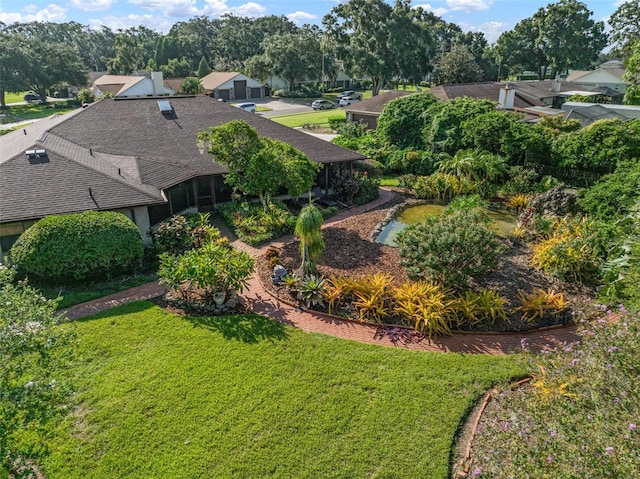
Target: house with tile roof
231	86
138	156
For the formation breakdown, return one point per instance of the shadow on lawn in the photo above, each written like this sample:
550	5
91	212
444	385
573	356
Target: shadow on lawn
248	328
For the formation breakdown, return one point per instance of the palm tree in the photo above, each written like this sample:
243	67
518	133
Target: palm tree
308	229
463	164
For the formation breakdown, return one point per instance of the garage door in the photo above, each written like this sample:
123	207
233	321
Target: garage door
240	89
256	92
224	94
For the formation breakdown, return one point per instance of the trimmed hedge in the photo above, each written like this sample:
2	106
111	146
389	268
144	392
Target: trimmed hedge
78	247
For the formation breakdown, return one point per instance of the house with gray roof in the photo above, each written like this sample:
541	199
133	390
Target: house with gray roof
138	156
370	109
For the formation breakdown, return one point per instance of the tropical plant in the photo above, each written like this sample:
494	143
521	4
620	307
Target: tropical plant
309	229
518	202
213	268
443	186
574	251
78	246
310	290
253	224
486	306
425	305
336	289
536	305
449	249
372	294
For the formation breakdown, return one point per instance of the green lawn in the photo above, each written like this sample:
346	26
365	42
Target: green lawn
35	111
389	181
14	97
165	396
321	117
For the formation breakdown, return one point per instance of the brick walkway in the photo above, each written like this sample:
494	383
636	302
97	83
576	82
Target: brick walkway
262	302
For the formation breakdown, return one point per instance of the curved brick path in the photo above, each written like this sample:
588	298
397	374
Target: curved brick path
258	300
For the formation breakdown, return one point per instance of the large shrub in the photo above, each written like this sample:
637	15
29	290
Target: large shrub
253	224
402	120
614	195
600	146
449	249
78	246
213	268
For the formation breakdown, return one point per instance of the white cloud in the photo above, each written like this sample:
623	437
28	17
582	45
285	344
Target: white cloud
491	30
217	8
299	17
427	7
50	13
172	8
92	5
469	5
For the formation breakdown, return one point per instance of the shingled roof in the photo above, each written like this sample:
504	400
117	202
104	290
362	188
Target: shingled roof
486	90
377	103
126	151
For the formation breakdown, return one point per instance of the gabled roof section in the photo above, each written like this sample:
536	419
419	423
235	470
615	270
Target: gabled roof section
484	90
166	149
73	179
376	104
116	84
214	79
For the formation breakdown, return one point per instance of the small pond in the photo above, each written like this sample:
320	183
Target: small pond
503	221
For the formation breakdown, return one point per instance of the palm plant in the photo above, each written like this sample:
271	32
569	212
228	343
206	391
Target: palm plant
308	229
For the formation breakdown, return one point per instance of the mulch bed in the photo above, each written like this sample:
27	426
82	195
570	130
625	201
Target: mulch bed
349	252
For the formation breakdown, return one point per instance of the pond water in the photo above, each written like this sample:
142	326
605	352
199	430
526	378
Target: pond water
503	221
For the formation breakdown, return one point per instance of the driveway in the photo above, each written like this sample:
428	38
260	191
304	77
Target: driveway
283	106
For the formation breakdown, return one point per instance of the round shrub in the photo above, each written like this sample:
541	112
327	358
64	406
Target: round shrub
78	246
449	249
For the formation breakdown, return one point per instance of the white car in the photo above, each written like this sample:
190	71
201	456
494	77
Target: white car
350	94
348	100
247	107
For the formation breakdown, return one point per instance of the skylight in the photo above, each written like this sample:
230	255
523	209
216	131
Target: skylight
165	107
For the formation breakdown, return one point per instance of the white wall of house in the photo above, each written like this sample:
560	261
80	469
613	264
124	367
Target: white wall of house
251	83
600	78
140	216
144	88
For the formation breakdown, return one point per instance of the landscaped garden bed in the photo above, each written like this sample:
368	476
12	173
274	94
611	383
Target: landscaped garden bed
350	252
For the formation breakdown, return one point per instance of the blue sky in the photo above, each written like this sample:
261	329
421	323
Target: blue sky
489	16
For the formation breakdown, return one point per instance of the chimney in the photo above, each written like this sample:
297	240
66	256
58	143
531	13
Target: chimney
158	84
507	97
555	86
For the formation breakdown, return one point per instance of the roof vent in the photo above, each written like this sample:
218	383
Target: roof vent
166	108
37	156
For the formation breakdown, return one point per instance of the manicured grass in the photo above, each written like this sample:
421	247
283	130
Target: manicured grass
81	293
14	97
165	396
35	111
321	117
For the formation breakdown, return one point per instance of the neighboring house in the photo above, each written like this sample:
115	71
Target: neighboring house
587	113
138	156
230	86
607	79
369	110
532	98
125	86
174	84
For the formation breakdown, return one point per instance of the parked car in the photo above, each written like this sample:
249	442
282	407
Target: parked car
29	97
323	105
350	93
348	100
248	107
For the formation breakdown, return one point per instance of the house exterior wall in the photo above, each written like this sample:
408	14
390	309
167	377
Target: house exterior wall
140	216
601	78
370	120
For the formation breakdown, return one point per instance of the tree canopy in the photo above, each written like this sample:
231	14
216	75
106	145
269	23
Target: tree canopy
258	165
560	36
